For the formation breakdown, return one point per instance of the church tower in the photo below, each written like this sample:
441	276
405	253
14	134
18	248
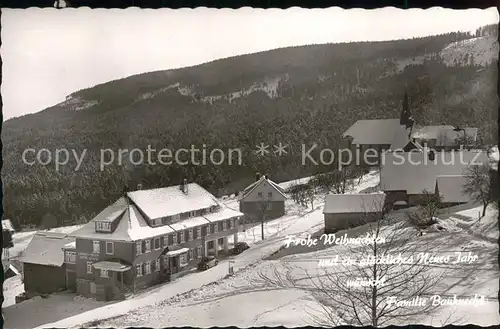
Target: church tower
405	118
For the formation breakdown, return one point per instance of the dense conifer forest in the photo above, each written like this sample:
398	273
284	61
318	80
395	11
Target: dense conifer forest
297	96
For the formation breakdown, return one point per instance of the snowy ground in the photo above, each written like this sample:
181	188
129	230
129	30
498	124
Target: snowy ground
227	302
298	220
211	298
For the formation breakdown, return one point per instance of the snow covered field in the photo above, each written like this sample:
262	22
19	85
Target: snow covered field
227	302
298	220
211	298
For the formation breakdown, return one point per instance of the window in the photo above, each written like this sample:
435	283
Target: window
212	228
269	206
216	228
174	238
181	238
157	265
228	224
89	267
157	243
138	247
104	274
157	222
138	270
191	214
165	241
270	194
190	235
148	267
259	194
198	251
176	218
223	225
70	256
96	247
183	259
110	248
198	232
190	254
148	245
220	226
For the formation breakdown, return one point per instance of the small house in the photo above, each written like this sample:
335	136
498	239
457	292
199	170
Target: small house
406	177
262	198
44	267
343	211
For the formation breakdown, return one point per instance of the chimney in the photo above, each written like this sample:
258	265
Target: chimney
139	187
184	186
257	176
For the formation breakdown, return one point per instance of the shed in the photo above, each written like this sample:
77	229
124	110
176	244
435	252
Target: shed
43	263
344	211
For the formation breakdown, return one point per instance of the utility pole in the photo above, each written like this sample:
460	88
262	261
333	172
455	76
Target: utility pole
263	209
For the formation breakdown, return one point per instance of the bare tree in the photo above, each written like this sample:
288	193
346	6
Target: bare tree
478	183
370	302
303	193
429	204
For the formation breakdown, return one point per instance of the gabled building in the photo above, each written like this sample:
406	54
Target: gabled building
405	176
44	264
445	137
262	198
149	236
343	211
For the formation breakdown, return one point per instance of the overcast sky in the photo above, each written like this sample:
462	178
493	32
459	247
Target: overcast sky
48	54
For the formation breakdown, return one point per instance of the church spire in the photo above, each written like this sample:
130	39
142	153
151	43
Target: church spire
405	118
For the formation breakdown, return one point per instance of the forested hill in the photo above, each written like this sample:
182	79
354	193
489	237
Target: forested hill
298	96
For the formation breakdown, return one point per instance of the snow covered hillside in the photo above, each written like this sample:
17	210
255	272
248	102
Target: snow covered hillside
482	50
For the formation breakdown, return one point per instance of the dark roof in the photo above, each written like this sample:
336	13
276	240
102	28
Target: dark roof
353	203
46	248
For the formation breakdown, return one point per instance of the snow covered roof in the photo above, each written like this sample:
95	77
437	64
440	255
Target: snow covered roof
223	214
7	225
189	223
375	132
414	172
46	248
111	266
429	132
132	226
249	189
121	231
353	203
71	245
445	135
401	139
168	201
177	252
451	188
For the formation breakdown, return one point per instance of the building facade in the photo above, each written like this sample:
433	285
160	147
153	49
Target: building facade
344	211
263	198
147	237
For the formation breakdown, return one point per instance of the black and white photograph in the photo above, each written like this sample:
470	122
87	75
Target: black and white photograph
248	167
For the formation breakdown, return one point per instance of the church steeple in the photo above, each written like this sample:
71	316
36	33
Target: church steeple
405	118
